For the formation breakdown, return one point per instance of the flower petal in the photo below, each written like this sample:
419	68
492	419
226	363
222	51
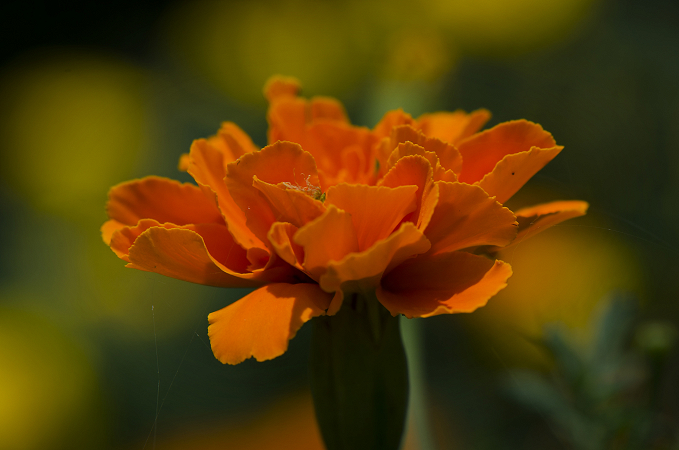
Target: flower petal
362	271
218	243
289	115
163	200
123	238
446	175
327	108
442	284
390	120
232	142
408	170
281	238
328	238
286	88
327	142
465	217
536	219
482	151
290	205
407	149
108	228
513	171
375	210
260	324
184	161
276	163
448	156
412	170
547	212
354	166
453	126
428	206
208	168
287	121
278	87
203	255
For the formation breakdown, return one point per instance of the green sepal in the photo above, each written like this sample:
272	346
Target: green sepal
359	377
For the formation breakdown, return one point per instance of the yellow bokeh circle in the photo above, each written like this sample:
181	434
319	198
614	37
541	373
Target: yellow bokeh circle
49	395
560	276
73	124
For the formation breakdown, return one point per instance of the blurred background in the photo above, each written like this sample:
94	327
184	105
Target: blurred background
579	352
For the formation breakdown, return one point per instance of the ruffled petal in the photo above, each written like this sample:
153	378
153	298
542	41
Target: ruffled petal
354	166
362	271
327	108
289	115
328	238
536	219
428	206
108	228
453	126
328	141
287	121
446	175
279	87
390	120
232	142
510	174
412	170
184	161
466	217
208	168
375	210
482	151
442	284
260	324
281	239
123	238
290	205
219	244
285	88
282	162
202	255
163	200
407	149
448	156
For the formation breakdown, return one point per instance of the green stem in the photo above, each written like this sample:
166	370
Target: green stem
418	416
359	377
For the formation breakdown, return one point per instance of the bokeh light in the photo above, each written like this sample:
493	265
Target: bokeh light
238	45
335	47
560	276
288	424
73	124
502	29
49	393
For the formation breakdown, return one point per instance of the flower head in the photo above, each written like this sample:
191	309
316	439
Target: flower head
409	212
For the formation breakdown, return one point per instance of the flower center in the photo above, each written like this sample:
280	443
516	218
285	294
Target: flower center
309	189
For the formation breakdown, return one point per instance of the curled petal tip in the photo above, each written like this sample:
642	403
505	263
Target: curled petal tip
279	86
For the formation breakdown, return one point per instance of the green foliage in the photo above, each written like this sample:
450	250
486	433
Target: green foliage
603	390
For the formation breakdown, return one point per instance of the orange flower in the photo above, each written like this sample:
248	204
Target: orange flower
400	212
